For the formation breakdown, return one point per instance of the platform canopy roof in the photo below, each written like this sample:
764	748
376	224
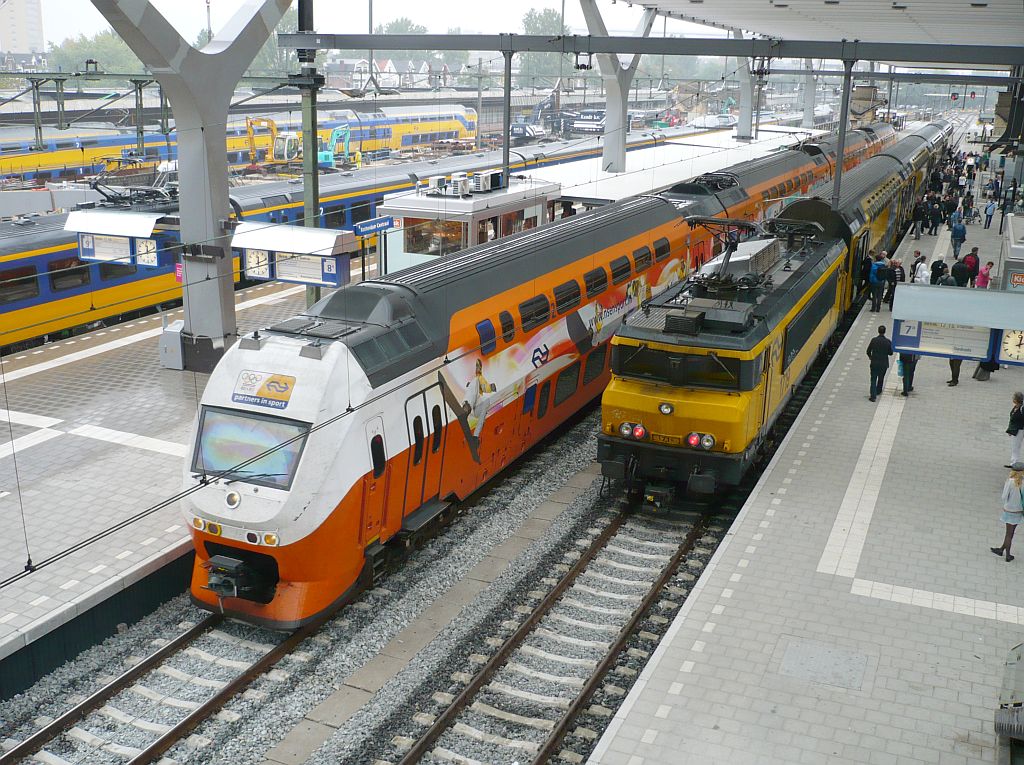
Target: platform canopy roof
939	22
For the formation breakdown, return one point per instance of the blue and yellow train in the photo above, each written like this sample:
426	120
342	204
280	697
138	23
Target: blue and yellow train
388	128
46	292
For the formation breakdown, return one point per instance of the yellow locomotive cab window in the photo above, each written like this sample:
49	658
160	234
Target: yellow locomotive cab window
692	370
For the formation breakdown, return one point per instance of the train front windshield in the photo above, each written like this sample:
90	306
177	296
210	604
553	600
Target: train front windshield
228	439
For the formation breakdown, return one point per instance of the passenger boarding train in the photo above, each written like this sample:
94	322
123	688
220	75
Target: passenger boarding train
45	290
700	376
326	440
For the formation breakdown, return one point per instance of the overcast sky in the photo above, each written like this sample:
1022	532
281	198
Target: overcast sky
67	18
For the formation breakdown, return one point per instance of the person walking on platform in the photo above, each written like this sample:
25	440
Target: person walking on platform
865	270
1013	508
935	218
879	351
984	276
896	275
961	273
909	363
957	237
954	372
919	268
939	270
990	210
878	279
973	262
1015	430
920	216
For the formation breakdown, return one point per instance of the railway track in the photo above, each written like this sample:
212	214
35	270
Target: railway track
519	703
141	714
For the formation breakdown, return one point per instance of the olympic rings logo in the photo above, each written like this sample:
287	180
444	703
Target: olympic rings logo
251	378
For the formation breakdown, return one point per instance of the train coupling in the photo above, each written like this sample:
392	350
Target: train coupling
657	496
232	578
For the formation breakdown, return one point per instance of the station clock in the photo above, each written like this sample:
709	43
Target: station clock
1011	346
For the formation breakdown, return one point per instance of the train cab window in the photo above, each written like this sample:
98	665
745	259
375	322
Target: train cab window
534	312
417	435
642	258
595	364
567	296
542	404
596	282
111	271
67	274
18	284
567	382
438	425
488	340
377	455
661	250
508	326
691	370
621	270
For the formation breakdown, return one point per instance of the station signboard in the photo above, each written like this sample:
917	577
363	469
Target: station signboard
939	339
325	271
373	226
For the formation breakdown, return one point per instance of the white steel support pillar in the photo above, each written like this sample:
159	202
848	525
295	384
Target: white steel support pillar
199	85
744	128
844	117
617	79
808	120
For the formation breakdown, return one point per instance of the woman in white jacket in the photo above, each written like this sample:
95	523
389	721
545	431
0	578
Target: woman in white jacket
1013	507
921	273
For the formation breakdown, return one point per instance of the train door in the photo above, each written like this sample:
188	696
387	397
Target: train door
425	420
416	428
433	452
375	483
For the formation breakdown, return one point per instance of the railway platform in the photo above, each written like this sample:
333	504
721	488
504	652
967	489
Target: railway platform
94	433
854	614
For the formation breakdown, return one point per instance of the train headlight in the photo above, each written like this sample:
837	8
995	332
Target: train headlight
639	432
213	528
252	538
271	539
198	523
666	408
693	440
232	499
626	430
707	441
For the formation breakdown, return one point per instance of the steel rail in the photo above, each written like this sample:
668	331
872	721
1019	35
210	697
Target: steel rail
155	750
547	750
500	657
49	732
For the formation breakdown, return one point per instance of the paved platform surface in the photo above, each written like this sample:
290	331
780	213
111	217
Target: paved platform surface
94	431
855	613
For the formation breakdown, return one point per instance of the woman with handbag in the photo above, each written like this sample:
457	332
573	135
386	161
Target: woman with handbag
1013	507
1015	430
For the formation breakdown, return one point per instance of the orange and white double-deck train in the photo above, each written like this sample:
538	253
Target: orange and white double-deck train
327	439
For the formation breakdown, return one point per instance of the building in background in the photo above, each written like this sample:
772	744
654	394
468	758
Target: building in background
21	27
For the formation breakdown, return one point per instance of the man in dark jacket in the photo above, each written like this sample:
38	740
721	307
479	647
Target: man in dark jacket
939	269
961	272
896	275
878	279
879	351
909	361
920	216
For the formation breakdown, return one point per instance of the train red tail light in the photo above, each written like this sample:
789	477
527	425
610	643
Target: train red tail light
693	440
639	432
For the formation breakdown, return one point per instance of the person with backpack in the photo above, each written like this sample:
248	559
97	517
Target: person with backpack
939	270
990	210
878	278
1013	508
961	273
957	237
973	263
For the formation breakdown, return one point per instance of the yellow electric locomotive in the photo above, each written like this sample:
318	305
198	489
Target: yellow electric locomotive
702	372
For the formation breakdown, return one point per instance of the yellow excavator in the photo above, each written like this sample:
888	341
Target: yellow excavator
286	148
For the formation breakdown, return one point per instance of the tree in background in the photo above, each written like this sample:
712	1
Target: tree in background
274	61
543	69
106	48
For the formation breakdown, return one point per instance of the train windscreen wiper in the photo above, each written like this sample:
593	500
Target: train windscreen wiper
723	366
